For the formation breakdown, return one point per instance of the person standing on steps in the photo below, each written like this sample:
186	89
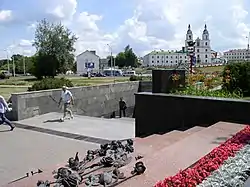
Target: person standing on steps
67	99
3	108
122	107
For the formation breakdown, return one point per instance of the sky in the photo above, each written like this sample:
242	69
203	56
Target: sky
145	25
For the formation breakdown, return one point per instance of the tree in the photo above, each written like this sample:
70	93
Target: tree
55	47
127	58
109	60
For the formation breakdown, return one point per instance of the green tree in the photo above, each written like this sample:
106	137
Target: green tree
55	47
109	60
127	58
120	59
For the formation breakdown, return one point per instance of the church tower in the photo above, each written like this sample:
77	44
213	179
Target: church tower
189	36
205	42
205	37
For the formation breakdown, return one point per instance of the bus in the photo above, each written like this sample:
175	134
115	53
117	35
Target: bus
112	72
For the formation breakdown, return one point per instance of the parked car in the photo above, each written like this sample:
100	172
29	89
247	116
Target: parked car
86	75
100	75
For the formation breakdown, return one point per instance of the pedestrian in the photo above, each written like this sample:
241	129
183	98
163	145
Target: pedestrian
122	107
67	99
3	108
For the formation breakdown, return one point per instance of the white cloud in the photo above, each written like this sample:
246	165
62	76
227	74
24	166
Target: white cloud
61	9
25	43
5	15
156	24
162	24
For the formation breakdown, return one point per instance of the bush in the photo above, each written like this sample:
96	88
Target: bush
4	76
236	77
135	78
50	83
208	93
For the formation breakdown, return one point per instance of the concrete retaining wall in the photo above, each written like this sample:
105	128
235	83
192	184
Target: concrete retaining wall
94	101
160	113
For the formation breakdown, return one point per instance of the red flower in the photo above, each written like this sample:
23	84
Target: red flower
209	163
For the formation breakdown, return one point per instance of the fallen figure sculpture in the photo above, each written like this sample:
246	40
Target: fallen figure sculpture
113	148
106	179
114	155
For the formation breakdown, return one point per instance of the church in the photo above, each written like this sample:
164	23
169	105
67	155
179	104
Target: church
203	52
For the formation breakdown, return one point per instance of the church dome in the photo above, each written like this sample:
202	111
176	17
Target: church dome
189	30
205	31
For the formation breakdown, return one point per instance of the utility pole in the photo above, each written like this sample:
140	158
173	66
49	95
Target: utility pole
247	51
248	41
24	65
14	68
8	62
111	60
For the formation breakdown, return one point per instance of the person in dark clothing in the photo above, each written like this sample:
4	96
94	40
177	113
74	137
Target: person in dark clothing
122	107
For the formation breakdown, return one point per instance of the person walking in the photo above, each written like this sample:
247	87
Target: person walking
67	99
122	107
3	108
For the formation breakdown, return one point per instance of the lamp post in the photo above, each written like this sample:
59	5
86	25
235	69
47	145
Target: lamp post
111	59
248	40
8	62
24	65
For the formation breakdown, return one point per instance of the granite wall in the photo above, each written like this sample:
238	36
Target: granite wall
160	113
95	101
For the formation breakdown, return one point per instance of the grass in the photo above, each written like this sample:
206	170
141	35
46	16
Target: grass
21	84
211	69
6	91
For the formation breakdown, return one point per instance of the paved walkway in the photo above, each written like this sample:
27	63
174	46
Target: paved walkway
86	128
23	151
43	141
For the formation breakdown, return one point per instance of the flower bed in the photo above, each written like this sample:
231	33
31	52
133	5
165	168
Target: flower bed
209	163
234	171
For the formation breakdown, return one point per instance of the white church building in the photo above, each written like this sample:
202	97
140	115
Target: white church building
203	51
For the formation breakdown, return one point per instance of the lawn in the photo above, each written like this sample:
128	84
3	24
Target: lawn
211	69
21	84
6	91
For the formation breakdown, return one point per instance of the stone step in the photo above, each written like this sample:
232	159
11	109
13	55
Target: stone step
167	160
194	129
180	155
157	142
144	146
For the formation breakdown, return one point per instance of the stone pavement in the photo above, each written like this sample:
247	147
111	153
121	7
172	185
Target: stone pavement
85	128
23	150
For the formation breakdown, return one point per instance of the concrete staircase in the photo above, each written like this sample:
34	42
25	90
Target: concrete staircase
164	155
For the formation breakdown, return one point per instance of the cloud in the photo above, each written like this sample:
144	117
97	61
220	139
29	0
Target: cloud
61	9
154	25
5	15
162	24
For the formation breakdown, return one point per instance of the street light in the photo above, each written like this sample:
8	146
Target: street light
111	59
248	52
7	55
24	65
